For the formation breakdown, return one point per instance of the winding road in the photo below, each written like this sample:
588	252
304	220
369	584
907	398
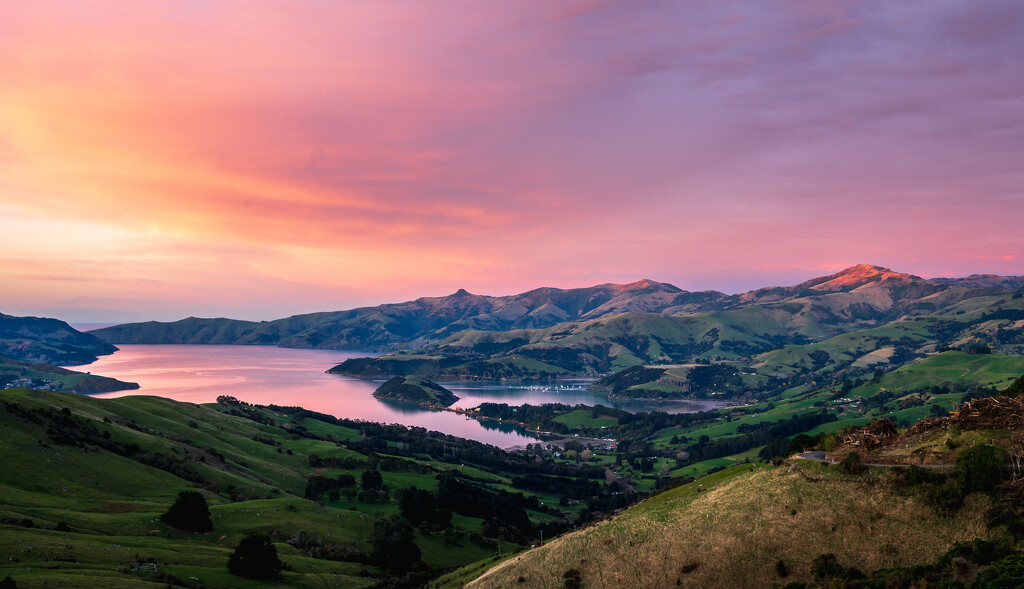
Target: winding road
821	457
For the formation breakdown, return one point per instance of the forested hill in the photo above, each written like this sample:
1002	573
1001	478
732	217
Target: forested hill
858	297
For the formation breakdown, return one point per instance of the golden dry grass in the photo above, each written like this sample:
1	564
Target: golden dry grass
733	534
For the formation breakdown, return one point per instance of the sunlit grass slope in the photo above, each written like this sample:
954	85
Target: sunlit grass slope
76	515
731	528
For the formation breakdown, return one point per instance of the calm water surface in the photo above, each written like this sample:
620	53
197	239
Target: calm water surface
284	376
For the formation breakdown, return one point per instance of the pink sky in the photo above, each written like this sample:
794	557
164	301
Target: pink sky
259	159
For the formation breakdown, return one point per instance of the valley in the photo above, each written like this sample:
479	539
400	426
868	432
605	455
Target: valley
339	496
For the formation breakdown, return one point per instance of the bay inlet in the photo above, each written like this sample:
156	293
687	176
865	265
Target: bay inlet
268	375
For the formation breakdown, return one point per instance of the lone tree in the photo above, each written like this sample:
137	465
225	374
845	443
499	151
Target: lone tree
189	513
255	558
393	545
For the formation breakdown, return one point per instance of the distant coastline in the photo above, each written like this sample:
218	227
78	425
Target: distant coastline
91	326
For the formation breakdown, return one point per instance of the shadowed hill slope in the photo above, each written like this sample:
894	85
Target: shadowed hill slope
51	341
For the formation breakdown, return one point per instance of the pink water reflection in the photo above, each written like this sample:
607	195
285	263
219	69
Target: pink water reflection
282	376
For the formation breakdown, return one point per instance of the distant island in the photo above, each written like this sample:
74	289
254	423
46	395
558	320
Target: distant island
413	389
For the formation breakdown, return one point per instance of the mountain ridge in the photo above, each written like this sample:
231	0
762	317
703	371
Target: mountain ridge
861	295
412	323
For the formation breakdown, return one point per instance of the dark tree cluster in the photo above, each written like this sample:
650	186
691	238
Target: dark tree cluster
347	463
575	488
467	499
255	558
393	545
708	449
316	486
419	506
189	512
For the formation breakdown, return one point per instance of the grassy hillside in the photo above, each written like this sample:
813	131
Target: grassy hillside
773	341
16	374
588	348
85	482
731	529
82	516
192	330
953	367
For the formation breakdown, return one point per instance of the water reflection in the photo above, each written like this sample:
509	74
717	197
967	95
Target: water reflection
404	408
568	392
286	376
501	426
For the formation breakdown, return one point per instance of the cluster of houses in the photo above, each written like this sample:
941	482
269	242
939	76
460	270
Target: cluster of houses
32	383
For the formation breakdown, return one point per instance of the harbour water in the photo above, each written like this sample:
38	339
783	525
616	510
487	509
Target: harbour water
288	376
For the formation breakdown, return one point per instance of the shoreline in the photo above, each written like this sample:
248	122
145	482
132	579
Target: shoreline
559	439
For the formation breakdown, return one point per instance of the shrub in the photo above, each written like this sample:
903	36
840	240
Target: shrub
1008	507
189	513
826	566
852	464
1005	574
255	558
979	469
947	498
915	475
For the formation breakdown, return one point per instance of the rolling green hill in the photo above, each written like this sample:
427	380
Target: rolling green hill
587	348
756	338
85	482
48	341
15	374
949	368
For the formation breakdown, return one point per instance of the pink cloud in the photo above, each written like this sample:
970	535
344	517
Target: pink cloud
500	146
